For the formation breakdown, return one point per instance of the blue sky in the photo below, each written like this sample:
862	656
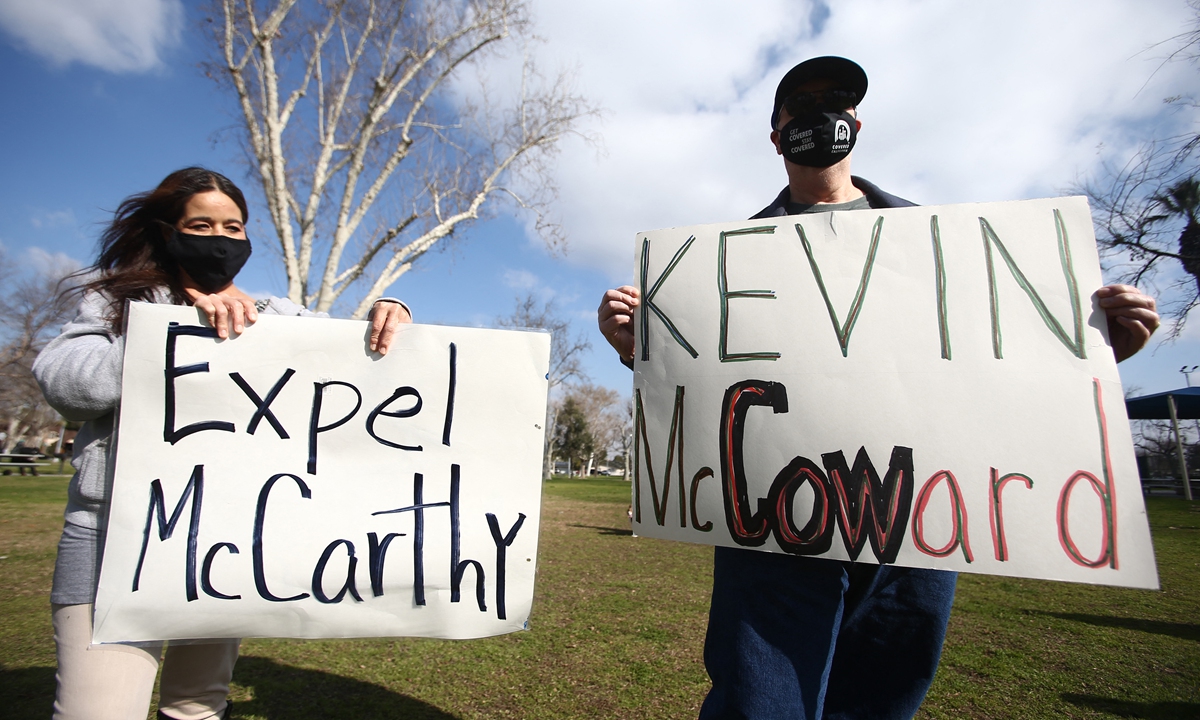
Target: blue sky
968	102
79	138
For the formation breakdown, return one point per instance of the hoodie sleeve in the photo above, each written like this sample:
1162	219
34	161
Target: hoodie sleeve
80	370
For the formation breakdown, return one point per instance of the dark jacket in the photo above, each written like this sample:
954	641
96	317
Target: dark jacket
875	196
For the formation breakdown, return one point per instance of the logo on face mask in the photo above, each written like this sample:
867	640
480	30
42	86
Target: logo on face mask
841	132
819	139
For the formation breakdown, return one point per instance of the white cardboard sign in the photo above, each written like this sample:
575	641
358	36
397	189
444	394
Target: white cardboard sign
928	386
289	483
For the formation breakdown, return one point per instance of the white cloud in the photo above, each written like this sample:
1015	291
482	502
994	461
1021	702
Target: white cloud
1029	90
114	35
51	264
53	219
528	283
968	101
521	279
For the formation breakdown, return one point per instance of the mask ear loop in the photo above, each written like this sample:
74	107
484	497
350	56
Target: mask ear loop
168	229
166	259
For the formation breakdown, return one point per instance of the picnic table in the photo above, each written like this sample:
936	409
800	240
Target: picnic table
1167	486
21	462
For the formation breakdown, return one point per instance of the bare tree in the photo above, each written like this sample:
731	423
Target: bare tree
566	355
1154	441
604	411
566	348
1145	211
366	157
32	309
1144	233
626	439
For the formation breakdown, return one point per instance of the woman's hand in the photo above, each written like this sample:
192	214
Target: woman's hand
386	316
229	309
615	318
1132	318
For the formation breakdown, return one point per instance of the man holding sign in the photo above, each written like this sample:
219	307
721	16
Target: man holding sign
806	637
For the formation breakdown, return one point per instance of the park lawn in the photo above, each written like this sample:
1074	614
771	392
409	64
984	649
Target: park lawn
31	512
618	626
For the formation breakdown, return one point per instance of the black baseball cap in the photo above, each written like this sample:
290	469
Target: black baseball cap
846	73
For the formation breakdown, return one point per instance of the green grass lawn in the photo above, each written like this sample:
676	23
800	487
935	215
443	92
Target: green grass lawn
618	626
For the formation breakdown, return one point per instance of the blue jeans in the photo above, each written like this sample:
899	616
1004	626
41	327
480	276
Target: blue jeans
801	638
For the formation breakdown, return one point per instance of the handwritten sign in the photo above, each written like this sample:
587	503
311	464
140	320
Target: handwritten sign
289	483
931	387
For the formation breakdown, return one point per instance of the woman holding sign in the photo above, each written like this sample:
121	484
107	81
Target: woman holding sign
181	243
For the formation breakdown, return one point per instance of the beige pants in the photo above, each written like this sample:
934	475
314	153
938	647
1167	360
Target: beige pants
114	682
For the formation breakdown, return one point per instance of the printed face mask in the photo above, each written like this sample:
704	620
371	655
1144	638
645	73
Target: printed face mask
211	260
818	139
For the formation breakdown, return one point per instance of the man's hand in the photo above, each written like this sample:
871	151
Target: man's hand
386	316
230	309
615	318
1132	318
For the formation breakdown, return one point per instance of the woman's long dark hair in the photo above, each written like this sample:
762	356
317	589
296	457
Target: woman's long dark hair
133	260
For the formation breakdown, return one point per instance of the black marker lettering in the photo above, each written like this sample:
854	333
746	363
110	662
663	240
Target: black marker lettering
260	517
170	434
262	407
816	537
459	568
746	527
405	391
418	541
450	394
702	473
377	558
206	569
868	508
418	510
502	543
319	571
642	442
158	508
314	422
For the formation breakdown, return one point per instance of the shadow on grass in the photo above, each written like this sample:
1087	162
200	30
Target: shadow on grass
1183	631
284	691
1162	710
27	692
604	530
279	691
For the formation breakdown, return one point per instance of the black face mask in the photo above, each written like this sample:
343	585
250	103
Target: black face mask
211	260
818	139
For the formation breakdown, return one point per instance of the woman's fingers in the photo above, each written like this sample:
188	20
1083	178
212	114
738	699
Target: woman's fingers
237	317
227	312
385	318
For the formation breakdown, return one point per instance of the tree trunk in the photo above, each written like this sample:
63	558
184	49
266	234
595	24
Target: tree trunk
337	101
551	421
16	434
7	444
